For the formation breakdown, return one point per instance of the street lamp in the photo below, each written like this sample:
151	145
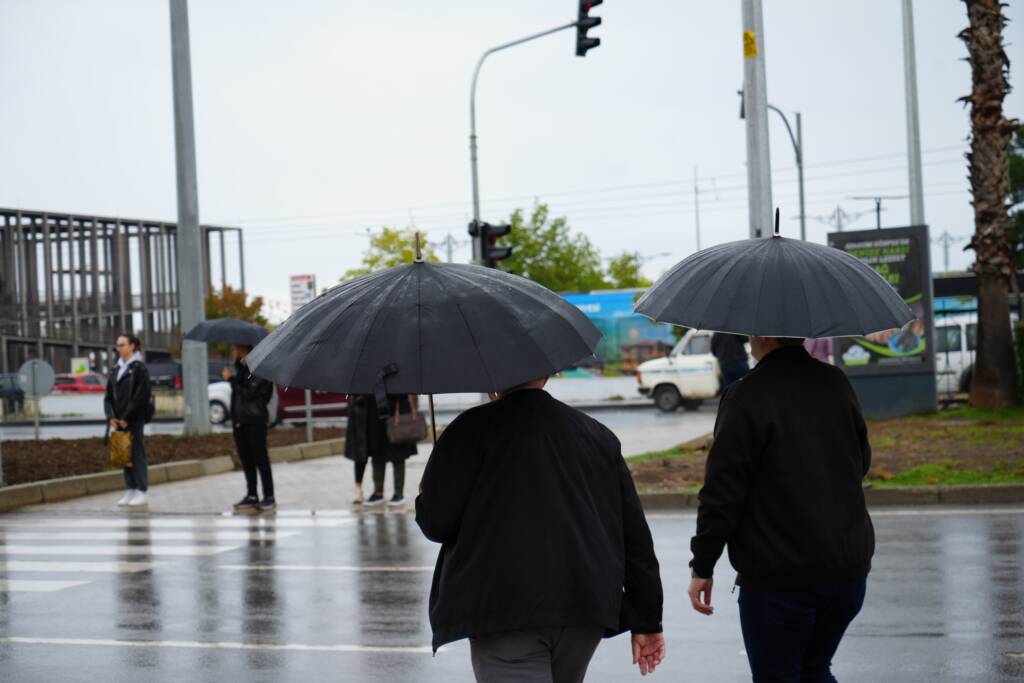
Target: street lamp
798	149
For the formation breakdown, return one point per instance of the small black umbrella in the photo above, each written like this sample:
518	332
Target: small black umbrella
776	287
227	331
426	328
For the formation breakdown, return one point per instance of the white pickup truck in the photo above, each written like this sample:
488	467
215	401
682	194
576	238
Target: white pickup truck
686	377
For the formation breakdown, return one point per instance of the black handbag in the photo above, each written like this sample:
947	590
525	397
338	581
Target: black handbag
408	427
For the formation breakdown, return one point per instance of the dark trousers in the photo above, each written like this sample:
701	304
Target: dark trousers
137	476
542	655
251	442
793	635
733	371
379	468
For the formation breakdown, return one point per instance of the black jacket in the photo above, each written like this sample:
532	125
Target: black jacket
127	399
249	396
728	347
540	523
783	481
366	433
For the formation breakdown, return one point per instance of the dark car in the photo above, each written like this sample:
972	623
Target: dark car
166	372
10	393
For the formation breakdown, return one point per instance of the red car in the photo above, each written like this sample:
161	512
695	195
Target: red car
291	404
89	383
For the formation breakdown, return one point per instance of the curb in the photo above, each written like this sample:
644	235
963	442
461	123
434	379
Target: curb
66	488
992	494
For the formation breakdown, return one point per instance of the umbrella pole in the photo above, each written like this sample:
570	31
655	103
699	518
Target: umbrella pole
433	427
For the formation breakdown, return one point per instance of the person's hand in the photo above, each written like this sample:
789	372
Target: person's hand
648	651
700	595
123	423
114	423
226	373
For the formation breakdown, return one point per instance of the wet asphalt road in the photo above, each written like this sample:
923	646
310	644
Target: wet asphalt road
341	597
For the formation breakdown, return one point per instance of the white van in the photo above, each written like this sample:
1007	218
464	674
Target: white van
955	339
686	377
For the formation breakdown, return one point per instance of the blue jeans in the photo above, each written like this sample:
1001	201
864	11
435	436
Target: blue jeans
793	635
733	371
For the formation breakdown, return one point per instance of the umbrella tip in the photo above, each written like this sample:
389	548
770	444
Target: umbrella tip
419	253
777	234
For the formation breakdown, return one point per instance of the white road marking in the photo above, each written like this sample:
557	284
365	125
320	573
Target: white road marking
90	642
86	567
879	512
324	568
171	522
251	535
36	586
168	550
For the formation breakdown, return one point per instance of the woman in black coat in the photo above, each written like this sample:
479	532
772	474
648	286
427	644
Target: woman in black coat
366	439
126	404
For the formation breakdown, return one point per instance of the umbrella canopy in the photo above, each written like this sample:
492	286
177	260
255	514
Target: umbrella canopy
776	287
227	331
426	328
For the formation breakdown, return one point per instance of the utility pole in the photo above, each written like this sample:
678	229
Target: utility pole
190	249
759	180
913	129
696	205
947	240
798	150
878	205
449	245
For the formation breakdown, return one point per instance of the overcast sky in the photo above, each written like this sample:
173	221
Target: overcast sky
317	120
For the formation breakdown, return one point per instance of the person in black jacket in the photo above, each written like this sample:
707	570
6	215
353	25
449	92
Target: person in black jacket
545	548
125	404
249	417
366	439
731	354
783	490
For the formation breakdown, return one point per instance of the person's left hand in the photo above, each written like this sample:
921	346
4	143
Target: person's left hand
701	587
123	424
226	373
648	651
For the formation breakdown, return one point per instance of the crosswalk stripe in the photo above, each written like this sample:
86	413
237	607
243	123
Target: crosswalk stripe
85	567
171	522
91	642
226	535
168	550
36	586
324	568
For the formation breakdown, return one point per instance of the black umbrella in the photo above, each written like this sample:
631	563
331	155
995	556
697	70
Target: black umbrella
776	287
426	328
227	331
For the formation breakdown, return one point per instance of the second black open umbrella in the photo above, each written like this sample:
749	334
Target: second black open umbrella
227	331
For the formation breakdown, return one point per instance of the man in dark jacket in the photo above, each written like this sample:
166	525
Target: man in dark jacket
545	548
783	490
731	354
249	417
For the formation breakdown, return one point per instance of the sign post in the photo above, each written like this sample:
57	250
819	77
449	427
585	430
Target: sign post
35	378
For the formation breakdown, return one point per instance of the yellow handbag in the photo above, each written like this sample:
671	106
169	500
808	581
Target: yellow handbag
121	449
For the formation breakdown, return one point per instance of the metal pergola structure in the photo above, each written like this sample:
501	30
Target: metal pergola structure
68	283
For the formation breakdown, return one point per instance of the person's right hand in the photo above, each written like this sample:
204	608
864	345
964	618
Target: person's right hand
113	423
226	373
648	651
699	587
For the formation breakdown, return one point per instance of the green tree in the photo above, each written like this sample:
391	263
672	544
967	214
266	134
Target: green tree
389	248
545	251
624	271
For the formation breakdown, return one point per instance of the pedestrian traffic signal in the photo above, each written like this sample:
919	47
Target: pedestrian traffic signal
584	23
487	235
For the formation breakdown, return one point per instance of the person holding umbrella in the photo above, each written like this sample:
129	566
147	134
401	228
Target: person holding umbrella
783	480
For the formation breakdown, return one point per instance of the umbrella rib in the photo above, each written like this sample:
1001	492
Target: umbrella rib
799	265
369	328
469	329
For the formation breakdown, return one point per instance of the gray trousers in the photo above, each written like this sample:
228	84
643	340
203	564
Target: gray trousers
543	655
137	476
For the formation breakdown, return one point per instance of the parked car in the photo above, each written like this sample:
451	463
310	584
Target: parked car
89	383
956	337
286	405
10	393
167	372
686	377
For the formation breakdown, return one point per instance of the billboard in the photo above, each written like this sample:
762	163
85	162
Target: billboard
303	290
900	255
629	338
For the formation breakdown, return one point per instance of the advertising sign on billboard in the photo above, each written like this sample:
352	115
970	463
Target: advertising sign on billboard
900	255
303	290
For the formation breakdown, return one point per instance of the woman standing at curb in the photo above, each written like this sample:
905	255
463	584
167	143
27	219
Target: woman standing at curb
249	398
366	439
126	404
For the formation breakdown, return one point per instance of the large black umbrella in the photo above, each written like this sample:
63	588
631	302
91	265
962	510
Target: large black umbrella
227	331
776	287
426	328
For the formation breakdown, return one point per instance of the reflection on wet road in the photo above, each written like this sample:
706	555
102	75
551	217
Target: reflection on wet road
340	597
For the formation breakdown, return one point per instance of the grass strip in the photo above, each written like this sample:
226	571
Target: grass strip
951	473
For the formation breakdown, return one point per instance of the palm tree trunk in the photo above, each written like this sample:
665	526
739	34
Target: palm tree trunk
994	382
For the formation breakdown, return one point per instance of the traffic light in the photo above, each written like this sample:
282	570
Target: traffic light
487	235
584	23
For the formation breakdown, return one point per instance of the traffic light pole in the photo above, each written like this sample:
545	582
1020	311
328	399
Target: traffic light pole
477	251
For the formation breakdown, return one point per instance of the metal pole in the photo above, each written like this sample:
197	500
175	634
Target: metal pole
309	415
477	251
800	175
759	180
190	252
241	260
913	130
696	206
35	400
878	213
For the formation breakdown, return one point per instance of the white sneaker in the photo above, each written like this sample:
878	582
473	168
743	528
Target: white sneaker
126	497
138	499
